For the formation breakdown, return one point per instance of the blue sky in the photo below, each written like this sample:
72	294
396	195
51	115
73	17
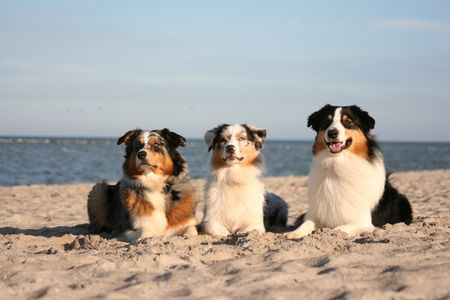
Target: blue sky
99	68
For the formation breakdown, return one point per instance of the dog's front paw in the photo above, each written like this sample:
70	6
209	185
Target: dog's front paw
295	235
306	228
191	231
215	229
251	229
353	230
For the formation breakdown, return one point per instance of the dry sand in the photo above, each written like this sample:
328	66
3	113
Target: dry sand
46	252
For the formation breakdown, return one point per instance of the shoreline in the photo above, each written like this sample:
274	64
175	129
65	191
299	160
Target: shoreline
46	251
265	178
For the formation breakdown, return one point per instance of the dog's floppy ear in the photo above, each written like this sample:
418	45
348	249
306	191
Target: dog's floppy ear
127	137
316	117
173	139
258	135
312	119
211	136
367	122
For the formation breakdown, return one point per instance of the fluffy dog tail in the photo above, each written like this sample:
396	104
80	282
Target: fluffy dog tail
98	206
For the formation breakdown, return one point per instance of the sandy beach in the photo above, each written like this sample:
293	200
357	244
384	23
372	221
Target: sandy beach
46	252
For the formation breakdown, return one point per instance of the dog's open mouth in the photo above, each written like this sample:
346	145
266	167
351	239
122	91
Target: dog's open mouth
337	147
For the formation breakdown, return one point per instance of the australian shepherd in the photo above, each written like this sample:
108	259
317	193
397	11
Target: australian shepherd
348	188
154	196
236	199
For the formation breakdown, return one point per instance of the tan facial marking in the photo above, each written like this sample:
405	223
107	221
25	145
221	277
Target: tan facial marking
131	170
154	140
250	155
216	158
319	144
241	136
162	163
359	143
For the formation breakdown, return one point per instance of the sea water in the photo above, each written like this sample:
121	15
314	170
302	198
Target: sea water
78	160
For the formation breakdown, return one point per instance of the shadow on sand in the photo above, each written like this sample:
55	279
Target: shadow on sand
58	231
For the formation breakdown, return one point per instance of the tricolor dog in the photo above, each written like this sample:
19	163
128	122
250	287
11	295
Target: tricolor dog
236	200
348	188
154	196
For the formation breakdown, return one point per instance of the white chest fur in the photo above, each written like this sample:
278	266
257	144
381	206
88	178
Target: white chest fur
344	189
157	199
235	198
155	223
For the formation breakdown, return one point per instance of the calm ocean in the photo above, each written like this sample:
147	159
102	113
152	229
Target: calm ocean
71	160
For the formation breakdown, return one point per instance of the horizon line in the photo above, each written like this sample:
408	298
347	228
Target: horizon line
81	137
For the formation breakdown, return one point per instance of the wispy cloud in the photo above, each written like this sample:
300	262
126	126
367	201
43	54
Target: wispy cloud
414	24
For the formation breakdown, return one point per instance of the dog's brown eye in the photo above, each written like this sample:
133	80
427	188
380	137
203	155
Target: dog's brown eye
241	139
156	146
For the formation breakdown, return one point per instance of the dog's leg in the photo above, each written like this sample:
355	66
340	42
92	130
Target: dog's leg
191	231
146	221
354	229
306	228
153	225
187	228
214	228
364	224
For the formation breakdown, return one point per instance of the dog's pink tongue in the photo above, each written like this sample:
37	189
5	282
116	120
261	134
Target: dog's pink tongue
335	147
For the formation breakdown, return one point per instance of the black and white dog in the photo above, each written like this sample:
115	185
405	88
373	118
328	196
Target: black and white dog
236	200
348	188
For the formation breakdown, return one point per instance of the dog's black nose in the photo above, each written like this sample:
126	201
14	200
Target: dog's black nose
333	133
141	154
229	149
